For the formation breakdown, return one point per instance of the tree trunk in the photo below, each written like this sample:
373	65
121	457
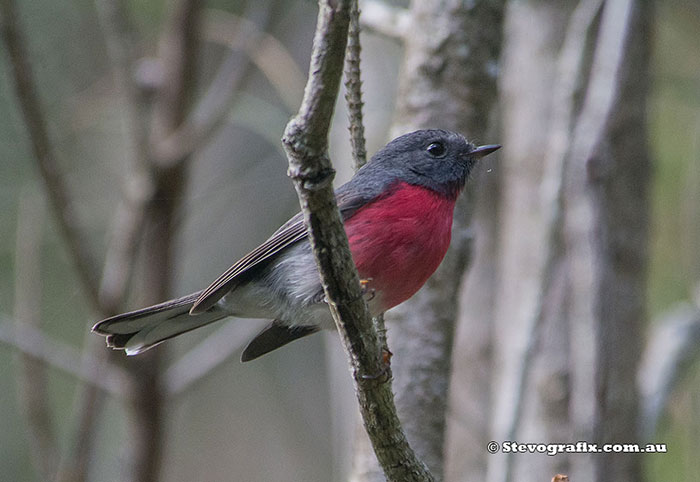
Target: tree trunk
573	234
614	185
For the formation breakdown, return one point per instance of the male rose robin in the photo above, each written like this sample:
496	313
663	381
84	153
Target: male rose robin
397	212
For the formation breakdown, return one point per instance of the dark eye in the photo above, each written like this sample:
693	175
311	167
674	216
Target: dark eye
436	149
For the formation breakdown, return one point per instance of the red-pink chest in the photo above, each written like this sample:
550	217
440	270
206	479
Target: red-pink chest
399	241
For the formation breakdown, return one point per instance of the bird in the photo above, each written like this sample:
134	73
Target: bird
397	211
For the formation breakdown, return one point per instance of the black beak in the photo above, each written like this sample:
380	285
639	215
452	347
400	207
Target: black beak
482	151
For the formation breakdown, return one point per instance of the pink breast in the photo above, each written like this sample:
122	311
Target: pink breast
399	240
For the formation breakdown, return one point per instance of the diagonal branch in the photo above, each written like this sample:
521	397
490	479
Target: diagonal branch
306	144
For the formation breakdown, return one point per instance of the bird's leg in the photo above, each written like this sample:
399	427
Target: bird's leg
385	373
366	289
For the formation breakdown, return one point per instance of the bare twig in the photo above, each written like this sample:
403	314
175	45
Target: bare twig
306	143
383	19
34	398
353	89
45	156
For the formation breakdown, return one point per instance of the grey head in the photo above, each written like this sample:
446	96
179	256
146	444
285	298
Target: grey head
437	159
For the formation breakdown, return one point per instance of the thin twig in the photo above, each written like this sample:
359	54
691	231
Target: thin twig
353	99
353	89
34	397
45	156
306	144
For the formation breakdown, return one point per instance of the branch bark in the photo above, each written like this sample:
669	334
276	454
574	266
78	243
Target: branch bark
353	89
610	153
306	143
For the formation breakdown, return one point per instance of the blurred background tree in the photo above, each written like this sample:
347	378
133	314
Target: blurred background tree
163	118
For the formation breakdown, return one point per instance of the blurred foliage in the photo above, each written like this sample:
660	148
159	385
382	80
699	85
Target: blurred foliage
675	264
675	144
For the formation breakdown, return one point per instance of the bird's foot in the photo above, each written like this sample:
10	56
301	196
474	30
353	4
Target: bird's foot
384	373
367	291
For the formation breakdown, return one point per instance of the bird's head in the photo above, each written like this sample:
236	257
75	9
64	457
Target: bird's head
437	159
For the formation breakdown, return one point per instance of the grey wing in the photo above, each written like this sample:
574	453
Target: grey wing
349	201
292	232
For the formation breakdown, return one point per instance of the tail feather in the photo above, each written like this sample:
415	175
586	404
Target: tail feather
140	330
